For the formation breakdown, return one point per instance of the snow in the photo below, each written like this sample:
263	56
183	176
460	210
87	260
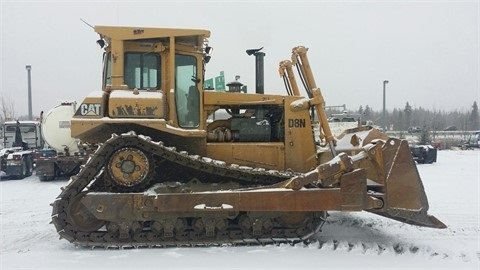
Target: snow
143	94
357	240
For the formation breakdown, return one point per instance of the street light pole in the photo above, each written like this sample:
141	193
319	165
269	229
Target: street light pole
384	118
29	68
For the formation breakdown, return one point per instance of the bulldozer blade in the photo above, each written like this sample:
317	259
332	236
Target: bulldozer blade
392	172
405	198
414	218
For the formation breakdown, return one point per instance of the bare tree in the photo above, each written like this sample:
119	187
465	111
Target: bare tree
7	108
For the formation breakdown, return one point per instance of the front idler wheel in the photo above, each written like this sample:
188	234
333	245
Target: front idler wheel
80	216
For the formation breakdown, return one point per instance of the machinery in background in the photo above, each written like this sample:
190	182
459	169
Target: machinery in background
61	157
471	141
424	153
20	140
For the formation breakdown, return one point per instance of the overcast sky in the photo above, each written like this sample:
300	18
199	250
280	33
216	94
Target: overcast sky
428	50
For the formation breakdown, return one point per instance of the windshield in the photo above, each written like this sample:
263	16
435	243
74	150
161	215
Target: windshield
23	129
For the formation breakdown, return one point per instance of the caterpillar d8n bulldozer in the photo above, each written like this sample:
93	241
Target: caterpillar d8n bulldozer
168	173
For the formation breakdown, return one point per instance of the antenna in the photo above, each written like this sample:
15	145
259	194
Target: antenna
87	23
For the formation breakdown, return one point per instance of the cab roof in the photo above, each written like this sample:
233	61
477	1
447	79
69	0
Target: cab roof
136	33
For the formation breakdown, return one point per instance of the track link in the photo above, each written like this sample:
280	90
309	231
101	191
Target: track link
242	229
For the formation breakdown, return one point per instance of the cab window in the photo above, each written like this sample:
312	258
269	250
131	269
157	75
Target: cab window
142	70
187	96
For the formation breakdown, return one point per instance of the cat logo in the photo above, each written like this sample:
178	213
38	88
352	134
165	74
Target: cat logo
89	109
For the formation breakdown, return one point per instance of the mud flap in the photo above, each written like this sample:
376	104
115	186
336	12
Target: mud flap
405	199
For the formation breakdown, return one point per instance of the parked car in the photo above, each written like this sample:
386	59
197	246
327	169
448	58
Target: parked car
414	129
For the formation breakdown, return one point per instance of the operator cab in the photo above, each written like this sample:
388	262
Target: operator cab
138	65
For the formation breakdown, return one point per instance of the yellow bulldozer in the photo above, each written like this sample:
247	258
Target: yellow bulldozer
167	172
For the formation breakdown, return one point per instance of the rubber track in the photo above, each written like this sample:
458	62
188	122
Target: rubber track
93	171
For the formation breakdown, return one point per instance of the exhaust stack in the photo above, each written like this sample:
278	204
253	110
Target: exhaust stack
259	69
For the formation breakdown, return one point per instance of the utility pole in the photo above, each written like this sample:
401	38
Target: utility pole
29	68
384	118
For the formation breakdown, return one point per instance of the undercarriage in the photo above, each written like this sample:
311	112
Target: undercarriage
164	171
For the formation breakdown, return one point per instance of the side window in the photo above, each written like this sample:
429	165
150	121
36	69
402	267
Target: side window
142	70
187	96
107	72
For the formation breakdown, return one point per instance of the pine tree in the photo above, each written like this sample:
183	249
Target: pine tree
408	114
474	118
425	137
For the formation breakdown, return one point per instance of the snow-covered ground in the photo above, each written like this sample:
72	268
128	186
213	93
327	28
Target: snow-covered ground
347	241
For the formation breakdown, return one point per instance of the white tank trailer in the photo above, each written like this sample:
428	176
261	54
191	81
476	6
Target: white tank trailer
61	156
